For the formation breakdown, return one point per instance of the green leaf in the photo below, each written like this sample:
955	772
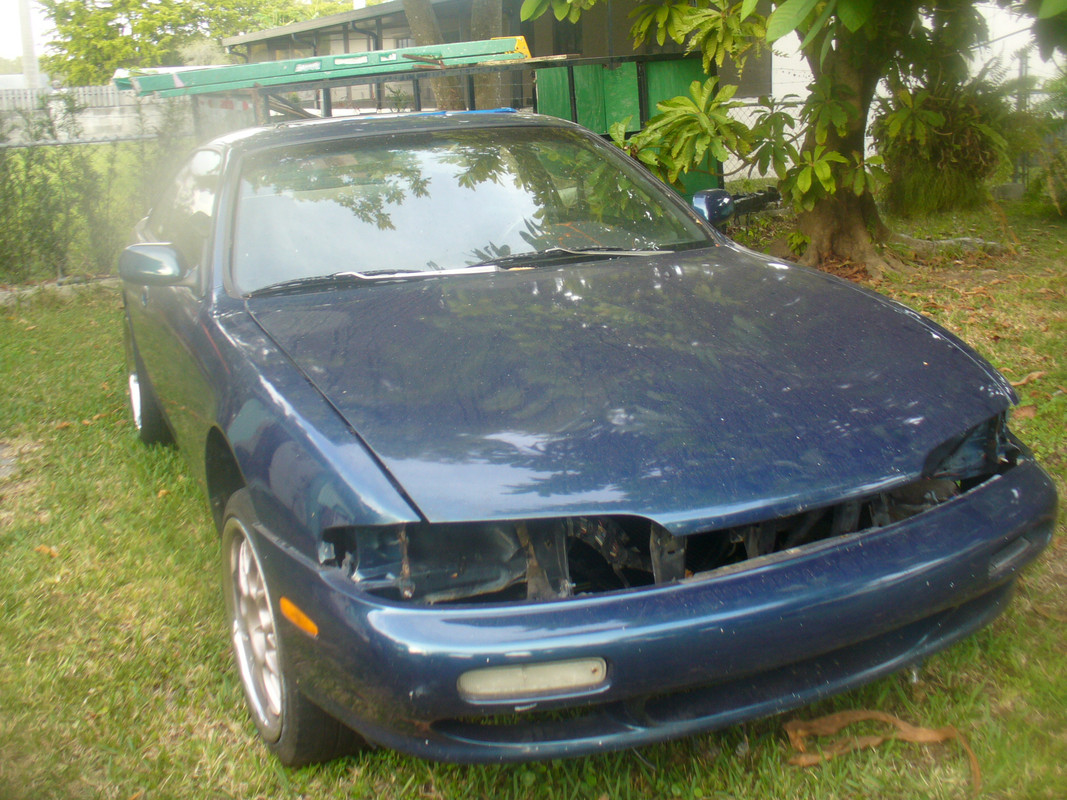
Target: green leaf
822	172
893	128
726	93
647	158
787	18
854	14
748	6
934	118
804	180
1050	8
819	23
617	132
532	9
839	117
827	43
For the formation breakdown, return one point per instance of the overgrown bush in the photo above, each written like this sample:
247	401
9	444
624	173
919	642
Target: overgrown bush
1051	178
67	209
941	144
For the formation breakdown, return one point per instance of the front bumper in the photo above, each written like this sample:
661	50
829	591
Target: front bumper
682	658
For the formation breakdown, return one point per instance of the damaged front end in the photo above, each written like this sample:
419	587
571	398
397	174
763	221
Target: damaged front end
552	559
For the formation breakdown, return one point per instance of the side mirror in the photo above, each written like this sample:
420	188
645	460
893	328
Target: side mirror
714	205
151	264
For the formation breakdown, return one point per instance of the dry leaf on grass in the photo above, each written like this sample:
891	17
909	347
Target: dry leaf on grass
799	730
46	550
1024	412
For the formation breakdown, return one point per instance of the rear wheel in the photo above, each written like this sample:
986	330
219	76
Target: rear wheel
296	730
147	416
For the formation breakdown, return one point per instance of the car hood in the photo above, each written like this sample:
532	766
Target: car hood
698	389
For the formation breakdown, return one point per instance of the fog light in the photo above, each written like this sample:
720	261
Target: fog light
530	680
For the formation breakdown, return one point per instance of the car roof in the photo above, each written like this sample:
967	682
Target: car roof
312	130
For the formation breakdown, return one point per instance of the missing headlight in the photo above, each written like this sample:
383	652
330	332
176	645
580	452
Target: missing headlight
430	564
981	452
523	560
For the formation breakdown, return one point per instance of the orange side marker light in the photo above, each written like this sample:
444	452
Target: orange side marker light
297	617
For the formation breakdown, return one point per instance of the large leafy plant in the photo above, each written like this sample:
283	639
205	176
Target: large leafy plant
679	138
942	144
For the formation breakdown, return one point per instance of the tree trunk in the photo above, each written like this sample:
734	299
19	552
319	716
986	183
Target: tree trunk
422	19
840	229
844	227
487	22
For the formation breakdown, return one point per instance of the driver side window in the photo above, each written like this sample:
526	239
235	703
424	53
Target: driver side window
183	216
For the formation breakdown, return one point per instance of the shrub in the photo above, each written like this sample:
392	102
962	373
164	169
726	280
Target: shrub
940	145
68	208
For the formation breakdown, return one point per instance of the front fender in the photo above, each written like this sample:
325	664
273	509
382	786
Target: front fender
306	470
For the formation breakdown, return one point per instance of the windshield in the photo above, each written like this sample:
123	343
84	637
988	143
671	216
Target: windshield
443	200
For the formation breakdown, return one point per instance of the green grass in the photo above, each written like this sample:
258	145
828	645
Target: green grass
115	674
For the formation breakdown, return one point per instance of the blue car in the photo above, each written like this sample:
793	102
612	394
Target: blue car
514	456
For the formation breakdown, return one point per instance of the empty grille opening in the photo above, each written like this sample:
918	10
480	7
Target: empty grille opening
554	559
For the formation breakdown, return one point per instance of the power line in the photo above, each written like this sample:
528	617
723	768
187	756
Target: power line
988	42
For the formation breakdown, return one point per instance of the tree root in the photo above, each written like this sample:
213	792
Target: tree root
965	244
872	263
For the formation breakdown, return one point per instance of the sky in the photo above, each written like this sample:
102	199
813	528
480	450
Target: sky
1008	34
11	37
10	29
1000	23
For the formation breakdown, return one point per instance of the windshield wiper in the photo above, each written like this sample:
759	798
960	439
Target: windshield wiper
553	254
374	276
606	251
518	260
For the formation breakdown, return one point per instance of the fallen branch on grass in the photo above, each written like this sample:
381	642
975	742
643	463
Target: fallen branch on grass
799	731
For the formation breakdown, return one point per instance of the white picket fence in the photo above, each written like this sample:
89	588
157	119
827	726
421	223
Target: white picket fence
105	114
84	96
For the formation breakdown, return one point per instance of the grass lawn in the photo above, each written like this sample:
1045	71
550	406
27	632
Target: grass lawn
115	673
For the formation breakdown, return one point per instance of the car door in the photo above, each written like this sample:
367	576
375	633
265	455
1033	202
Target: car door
169	322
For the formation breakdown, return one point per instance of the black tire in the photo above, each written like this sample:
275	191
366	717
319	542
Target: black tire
296	730
147	415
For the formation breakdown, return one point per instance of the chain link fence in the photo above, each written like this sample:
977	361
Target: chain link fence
74	180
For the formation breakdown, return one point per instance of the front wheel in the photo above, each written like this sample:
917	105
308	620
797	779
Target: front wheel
296	730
